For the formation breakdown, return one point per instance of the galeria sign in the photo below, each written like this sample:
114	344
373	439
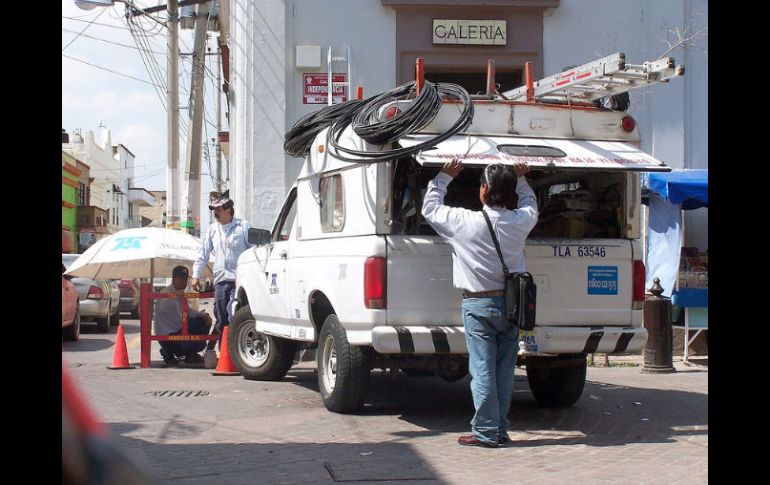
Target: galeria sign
480	32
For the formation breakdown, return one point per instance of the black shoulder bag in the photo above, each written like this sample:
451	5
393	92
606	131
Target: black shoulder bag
520	290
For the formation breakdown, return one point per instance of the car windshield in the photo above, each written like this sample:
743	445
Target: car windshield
68	259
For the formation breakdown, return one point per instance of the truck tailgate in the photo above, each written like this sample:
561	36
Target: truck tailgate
420	290
582	283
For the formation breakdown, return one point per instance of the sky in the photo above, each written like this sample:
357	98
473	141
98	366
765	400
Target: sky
131	107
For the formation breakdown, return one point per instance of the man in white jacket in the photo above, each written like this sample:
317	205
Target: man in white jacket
476	269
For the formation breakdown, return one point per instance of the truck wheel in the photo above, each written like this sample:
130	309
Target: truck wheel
72	333
557	382
343	369
258	357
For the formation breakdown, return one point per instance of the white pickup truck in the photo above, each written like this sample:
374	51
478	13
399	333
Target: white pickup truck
352	269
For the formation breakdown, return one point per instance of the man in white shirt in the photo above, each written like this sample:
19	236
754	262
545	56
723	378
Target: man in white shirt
228	238
476	269
168	321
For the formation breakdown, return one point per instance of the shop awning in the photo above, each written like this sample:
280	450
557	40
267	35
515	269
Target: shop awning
540	153
688	187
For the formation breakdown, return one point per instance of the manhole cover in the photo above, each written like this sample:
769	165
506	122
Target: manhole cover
371	470
177	393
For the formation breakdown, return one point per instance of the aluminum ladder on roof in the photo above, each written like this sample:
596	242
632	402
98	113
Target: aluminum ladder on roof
330	62
598	79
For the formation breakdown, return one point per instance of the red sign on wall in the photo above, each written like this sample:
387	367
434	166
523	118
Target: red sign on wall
315	88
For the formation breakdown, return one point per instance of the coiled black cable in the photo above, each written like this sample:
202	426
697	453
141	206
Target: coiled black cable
299	138
423	110
408	119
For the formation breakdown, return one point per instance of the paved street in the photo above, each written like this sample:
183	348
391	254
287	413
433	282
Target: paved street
628	427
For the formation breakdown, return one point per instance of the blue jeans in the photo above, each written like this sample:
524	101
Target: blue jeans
224	292
492	359
195	326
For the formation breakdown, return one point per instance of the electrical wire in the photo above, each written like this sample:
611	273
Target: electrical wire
403	123
299	139
84	29
108	41
110	70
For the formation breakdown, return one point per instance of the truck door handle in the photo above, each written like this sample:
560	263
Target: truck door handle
283	254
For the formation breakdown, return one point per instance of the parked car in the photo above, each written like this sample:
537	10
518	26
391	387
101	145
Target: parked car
129	297
98	299
70	314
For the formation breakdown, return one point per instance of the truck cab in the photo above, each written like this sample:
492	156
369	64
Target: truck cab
351	269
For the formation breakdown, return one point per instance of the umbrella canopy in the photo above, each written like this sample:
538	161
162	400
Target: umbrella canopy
146	252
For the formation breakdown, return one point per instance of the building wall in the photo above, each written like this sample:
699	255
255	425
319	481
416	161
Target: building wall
157	212
386	35
69	184
105	170
672	117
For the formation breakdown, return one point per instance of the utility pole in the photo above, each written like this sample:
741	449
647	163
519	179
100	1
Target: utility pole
191	219
219	120
172	115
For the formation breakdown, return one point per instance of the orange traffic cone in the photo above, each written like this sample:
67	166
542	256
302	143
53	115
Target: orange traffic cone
120	356
225	365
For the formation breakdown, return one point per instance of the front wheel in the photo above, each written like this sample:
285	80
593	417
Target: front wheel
557	381
343	369
72	333
257	356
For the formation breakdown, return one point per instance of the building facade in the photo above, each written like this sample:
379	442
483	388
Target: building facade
69	198
278	63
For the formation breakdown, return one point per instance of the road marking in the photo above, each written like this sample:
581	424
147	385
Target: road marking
134	343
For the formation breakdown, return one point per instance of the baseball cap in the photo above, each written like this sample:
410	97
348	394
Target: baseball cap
218	200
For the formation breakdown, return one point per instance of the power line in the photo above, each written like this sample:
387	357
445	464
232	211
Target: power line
109	70
109	41
92	22
81	32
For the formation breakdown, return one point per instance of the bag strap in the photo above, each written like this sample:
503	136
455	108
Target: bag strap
497	244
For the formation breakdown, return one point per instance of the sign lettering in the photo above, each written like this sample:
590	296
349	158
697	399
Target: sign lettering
473	32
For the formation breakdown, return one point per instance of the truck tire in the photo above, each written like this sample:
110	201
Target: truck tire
557	381
258	357
72	333
343	369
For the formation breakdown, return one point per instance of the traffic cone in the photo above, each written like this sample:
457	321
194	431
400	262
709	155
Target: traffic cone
120	355
225	365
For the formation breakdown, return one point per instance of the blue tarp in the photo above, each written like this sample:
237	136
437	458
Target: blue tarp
666	194
680	186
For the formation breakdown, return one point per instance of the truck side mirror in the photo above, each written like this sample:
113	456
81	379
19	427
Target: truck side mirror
260	237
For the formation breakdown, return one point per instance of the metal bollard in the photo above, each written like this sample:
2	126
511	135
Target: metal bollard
658	352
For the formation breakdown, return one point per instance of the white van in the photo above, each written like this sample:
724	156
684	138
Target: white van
352	269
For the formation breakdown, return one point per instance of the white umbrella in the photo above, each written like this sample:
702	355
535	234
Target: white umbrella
146	252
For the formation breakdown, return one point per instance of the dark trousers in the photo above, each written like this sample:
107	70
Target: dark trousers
195	326
224	293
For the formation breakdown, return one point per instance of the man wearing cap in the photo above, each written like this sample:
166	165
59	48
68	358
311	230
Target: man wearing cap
228	239
168	321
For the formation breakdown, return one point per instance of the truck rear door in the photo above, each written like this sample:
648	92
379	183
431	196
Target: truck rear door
581	253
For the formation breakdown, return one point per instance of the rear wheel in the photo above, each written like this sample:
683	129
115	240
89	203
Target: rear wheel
258	356
103	324
72	333
557	381
115	317
343	369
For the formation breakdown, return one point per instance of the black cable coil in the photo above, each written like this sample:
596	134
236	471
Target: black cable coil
420	113
299	139
366	122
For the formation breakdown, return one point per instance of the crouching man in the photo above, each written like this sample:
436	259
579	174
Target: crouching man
168	321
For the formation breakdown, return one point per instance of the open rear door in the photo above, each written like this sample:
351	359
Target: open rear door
539	153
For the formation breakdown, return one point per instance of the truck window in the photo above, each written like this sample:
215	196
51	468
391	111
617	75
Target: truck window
572	204
285	220
332	203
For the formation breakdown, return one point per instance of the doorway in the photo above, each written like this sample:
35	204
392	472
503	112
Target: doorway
476	82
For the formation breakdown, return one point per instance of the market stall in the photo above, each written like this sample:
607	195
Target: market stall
682	271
